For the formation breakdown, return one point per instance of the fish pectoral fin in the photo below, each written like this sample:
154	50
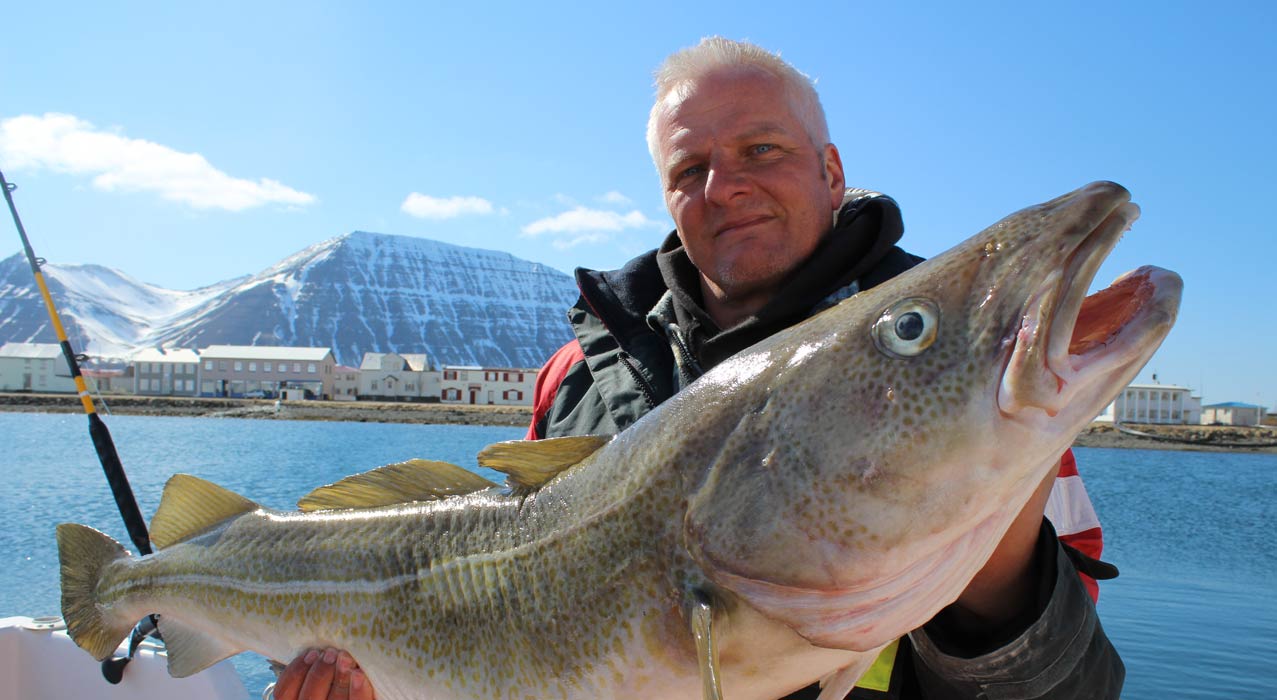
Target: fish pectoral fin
414	480
702	619
191	650
532	463
191	505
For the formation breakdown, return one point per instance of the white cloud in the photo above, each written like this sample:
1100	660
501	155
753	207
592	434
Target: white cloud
427	207
581	219
616	198
64	143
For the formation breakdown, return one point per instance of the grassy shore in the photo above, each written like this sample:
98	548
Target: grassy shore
1172	437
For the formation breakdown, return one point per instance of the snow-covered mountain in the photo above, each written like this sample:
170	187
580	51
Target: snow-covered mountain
361	292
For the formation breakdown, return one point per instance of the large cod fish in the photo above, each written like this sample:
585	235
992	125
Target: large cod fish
776	523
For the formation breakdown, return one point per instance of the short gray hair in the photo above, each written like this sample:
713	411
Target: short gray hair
715	53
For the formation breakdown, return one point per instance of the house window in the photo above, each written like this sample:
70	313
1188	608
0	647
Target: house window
239	366
297	367
310	368
252	367
144	384
374	385
221	365
208	365
512	395
450	374
265	366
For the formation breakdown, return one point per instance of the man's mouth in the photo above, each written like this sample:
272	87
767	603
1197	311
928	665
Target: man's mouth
741	224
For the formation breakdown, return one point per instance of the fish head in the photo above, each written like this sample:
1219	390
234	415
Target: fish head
882	448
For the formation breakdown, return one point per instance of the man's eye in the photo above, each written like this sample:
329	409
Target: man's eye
763	148
690	172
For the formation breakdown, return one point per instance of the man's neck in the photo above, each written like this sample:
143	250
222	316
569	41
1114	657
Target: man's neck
729	310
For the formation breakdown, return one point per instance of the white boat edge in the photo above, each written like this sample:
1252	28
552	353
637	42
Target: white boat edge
38	661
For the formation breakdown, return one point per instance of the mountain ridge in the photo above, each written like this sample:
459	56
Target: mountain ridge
355	293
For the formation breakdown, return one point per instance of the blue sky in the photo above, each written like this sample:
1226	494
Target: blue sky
187	144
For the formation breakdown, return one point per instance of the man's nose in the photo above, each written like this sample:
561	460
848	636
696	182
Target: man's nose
724	182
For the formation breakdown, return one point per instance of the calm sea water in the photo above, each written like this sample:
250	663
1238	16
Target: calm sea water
1194	613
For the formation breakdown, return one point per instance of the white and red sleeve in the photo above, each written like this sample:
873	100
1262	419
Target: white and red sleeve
1069	509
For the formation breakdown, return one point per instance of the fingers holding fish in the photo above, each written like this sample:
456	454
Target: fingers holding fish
327	674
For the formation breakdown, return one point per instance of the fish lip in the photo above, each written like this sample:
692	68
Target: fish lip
1080	270
1040	370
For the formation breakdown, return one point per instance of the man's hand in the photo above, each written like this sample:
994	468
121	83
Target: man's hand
1007	585
323	674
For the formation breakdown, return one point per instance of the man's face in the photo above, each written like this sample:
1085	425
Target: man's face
750	193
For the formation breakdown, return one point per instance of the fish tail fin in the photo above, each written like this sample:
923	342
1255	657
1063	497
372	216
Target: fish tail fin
84	553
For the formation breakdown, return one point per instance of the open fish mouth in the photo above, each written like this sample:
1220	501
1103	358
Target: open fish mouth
1069	343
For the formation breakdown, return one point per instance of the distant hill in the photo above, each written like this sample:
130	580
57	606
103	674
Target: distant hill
361	292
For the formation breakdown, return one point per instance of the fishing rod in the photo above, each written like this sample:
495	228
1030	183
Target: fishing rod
102	442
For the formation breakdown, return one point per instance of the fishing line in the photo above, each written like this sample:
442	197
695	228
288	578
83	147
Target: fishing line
98	432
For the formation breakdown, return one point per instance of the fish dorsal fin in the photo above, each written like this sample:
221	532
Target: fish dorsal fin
531	463
405	482
190	506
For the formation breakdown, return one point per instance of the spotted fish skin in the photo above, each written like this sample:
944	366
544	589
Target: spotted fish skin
827	491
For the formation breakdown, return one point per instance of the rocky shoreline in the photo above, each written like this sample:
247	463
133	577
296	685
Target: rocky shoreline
1195	438
1164	437
355	411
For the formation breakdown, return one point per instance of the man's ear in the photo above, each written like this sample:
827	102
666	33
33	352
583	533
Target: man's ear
834	176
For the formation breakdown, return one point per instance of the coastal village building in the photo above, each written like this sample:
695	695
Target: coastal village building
389	376
1233	413
34	367
345	383
1154	403
159	372
108	381
498	386
258	371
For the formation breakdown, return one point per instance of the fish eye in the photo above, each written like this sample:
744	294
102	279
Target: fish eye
907	327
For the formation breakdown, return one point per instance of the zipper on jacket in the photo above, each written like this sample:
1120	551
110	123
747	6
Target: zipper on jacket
688	367
649	394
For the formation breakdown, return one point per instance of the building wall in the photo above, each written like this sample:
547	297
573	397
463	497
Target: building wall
38	375
166	378
119	382
1233	415
497	386
391	376
247	376
345	384
1154	403
398	384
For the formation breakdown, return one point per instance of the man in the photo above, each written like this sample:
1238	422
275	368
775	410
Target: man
766	235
